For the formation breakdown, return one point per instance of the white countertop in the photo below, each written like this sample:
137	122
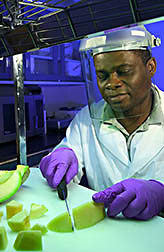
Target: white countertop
111	235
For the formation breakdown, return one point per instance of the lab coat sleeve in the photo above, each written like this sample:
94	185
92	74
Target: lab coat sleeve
73	140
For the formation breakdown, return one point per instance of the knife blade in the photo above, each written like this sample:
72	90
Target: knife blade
62	193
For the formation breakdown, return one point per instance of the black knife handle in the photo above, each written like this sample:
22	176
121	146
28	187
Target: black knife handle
62	189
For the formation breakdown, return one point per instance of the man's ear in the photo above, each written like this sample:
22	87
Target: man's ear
151	66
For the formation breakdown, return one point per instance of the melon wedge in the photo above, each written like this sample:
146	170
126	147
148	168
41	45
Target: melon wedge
28	240
88	214
62	223
3	238
10	186
23	169
5	175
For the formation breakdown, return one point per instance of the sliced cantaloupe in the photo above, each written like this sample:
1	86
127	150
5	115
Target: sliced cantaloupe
10	186
37	210
10	181
62	223
13	207
23	169
5	175
40	227
20	221
88	214
28	240
3	238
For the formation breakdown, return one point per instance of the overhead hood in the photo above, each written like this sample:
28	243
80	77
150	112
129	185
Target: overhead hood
31	25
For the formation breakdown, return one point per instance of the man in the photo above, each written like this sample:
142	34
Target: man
118	138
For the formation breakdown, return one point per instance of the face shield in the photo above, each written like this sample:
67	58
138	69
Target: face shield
110	69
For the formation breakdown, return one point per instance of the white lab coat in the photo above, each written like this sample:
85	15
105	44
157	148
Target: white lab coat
104	154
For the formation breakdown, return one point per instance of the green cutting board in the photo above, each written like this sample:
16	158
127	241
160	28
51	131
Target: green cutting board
111	235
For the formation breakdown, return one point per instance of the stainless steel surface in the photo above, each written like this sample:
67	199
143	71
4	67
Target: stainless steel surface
19	109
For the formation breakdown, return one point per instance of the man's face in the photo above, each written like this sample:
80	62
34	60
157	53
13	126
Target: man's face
123	80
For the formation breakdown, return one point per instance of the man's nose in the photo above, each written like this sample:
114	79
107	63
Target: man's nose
114	81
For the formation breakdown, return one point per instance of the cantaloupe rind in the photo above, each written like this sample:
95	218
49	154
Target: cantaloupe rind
10	186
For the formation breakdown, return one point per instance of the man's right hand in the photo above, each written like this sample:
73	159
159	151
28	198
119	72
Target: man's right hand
57	164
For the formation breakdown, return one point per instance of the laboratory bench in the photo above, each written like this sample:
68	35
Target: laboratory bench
111	234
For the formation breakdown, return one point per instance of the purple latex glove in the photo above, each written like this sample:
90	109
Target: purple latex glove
135	198
58	163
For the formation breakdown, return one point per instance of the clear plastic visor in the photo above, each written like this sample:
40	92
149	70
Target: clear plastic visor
112	97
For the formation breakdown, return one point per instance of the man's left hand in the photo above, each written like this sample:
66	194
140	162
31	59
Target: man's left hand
135	198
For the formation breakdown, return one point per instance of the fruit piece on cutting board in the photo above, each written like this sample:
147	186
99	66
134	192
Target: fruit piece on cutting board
24	170
20	221
13	207
40	227
3	238
88	214
6	174
37	210
10	186
28	240
1	214
62	223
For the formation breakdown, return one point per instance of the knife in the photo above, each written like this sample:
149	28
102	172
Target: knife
62	193
62	189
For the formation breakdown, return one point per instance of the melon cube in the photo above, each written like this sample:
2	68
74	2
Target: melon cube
20	221
28	240
3	238
1	214
37	211
88	214
62	223
12	208
40	227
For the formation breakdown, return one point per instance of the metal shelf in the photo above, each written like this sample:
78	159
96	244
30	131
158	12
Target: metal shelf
31	25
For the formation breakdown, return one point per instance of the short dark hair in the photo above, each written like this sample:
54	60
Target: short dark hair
144	54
